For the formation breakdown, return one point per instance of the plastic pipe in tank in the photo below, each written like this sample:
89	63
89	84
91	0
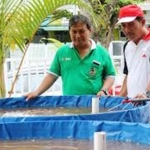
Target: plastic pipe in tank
95	105
99	141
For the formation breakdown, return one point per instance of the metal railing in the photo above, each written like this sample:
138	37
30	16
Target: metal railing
30	76
33	70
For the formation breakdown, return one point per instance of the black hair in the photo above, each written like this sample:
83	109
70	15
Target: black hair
139	18
79	18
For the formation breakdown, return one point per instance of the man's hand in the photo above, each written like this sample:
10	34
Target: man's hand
101	93
30	95
140	96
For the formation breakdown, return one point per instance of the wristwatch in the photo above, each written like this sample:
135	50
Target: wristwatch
105	91
148	94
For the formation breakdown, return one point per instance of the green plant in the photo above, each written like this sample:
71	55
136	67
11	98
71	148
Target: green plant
19	21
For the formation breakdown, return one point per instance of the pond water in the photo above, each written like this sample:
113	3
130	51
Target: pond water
46	111
68	144
60	144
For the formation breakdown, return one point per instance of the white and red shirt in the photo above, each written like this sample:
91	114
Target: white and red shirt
138	64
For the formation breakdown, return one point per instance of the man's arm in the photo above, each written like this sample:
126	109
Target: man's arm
123	91
47	82
148	87
108	83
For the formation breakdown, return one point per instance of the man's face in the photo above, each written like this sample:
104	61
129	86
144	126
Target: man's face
133	30
80	34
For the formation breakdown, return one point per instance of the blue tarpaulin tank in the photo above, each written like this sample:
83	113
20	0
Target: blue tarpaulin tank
119	125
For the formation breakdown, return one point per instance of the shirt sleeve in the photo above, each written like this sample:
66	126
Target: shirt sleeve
54	68
125	69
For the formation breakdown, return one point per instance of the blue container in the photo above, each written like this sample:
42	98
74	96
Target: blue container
120	125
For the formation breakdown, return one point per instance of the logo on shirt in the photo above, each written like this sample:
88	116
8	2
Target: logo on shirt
144	55
94	68
66	59
93	71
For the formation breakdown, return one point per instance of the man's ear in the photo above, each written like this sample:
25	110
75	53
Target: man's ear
143	21
92	29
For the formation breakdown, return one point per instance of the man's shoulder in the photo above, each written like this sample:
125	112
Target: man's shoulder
125	44
101	49
65	47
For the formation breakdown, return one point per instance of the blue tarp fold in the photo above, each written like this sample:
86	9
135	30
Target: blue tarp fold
63	129
123	125
130	114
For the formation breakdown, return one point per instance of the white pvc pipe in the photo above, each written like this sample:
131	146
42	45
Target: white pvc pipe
99	141
95	105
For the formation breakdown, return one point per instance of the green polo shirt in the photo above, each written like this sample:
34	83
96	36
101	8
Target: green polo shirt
82	76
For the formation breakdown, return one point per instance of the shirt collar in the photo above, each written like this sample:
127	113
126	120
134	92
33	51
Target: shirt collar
92	47
147	37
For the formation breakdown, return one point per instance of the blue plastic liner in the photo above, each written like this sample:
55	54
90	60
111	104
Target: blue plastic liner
122	125
130	114
64	129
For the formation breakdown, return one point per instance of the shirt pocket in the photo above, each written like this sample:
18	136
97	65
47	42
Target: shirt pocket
94	71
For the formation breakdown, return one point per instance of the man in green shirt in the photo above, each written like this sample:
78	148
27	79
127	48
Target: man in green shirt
85	67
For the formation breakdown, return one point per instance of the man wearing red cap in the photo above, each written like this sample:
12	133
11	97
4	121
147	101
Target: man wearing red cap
137	52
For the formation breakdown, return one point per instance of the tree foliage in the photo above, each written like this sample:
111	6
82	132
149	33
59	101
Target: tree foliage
19	21
107	11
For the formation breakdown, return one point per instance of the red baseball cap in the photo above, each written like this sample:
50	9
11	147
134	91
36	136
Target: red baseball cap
129	13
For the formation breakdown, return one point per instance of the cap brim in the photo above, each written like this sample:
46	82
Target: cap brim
126	19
